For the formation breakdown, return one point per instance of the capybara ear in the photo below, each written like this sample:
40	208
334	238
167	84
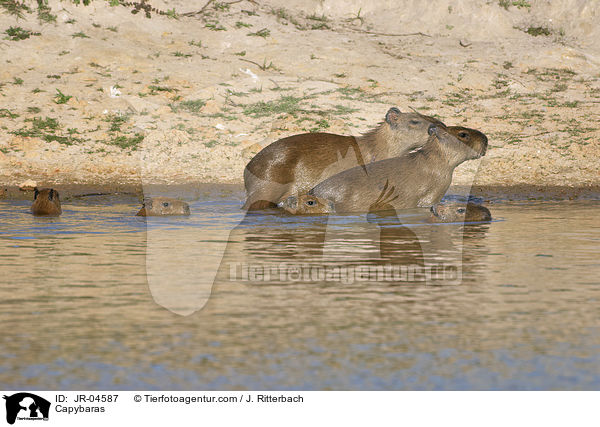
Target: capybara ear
431	129
392	116
35	193
51	195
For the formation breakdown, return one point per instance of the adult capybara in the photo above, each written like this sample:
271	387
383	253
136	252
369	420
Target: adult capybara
295	164
163	206
460	212
46	202
419	178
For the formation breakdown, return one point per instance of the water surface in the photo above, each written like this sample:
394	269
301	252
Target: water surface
78	313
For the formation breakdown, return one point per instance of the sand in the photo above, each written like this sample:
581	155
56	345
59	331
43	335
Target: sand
175	99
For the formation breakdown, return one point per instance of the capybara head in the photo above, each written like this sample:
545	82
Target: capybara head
459	144
46	202
163	206
472	138
306	204
406	131
458	212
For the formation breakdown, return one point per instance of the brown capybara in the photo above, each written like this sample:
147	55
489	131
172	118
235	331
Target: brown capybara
163	206
460	212
294	165
305	204
46	202
420	178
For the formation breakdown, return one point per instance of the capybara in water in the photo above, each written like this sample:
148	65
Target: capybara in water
163	206
305	204
460	212
420	178
46	202
294	165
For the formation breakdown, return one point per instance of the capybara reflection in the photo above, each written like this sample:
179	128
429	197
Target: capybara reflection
460	212
420	178
294	165
398	244
163	206
46	202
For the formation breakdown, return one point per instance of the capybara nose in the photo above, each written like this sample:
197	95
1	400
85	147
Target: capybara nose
432	128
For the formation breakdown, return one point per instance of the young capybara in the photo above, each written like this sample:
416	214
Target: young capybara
305	204
460	212
420	178
46	202
163	206
294	165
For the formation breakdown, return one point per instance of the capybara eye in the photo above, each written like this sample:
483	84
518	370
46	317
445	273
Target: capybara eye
464	135
415	122
166	204
461	210
310	202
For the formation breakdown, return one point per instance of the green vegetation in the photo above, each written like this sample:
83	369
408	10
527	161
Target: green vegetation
240	24
519	4
315	17
47	129
61	98
264	33
320	26
14	7
538	31
5	113
191	106
215	26
126	142
221	6
18	33
154	89
283	105
17	81
44	13
80	35
283	16
116	121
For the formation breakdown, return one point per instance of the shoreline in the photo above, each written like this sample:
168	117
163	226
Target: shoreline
489	193
101	97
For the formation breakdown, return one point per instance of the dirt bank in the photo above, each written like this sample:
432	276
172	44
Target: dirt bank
103	96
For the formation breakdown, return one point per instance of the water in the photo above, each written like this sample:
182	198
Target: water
77	309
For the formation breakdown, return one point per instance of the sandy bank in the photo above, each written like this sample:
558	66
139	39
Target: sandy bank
103	96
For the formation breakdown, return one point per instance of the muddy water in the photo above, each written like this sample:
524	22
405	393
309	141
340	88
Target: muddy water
84	302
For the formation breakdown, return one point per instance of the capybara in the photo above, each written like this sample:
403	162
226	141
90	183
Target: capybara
419	178
46	202
163	206
460	212
294	165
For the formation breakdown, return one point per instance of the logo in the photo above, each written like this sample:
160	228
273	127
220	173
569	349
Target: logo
26	406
